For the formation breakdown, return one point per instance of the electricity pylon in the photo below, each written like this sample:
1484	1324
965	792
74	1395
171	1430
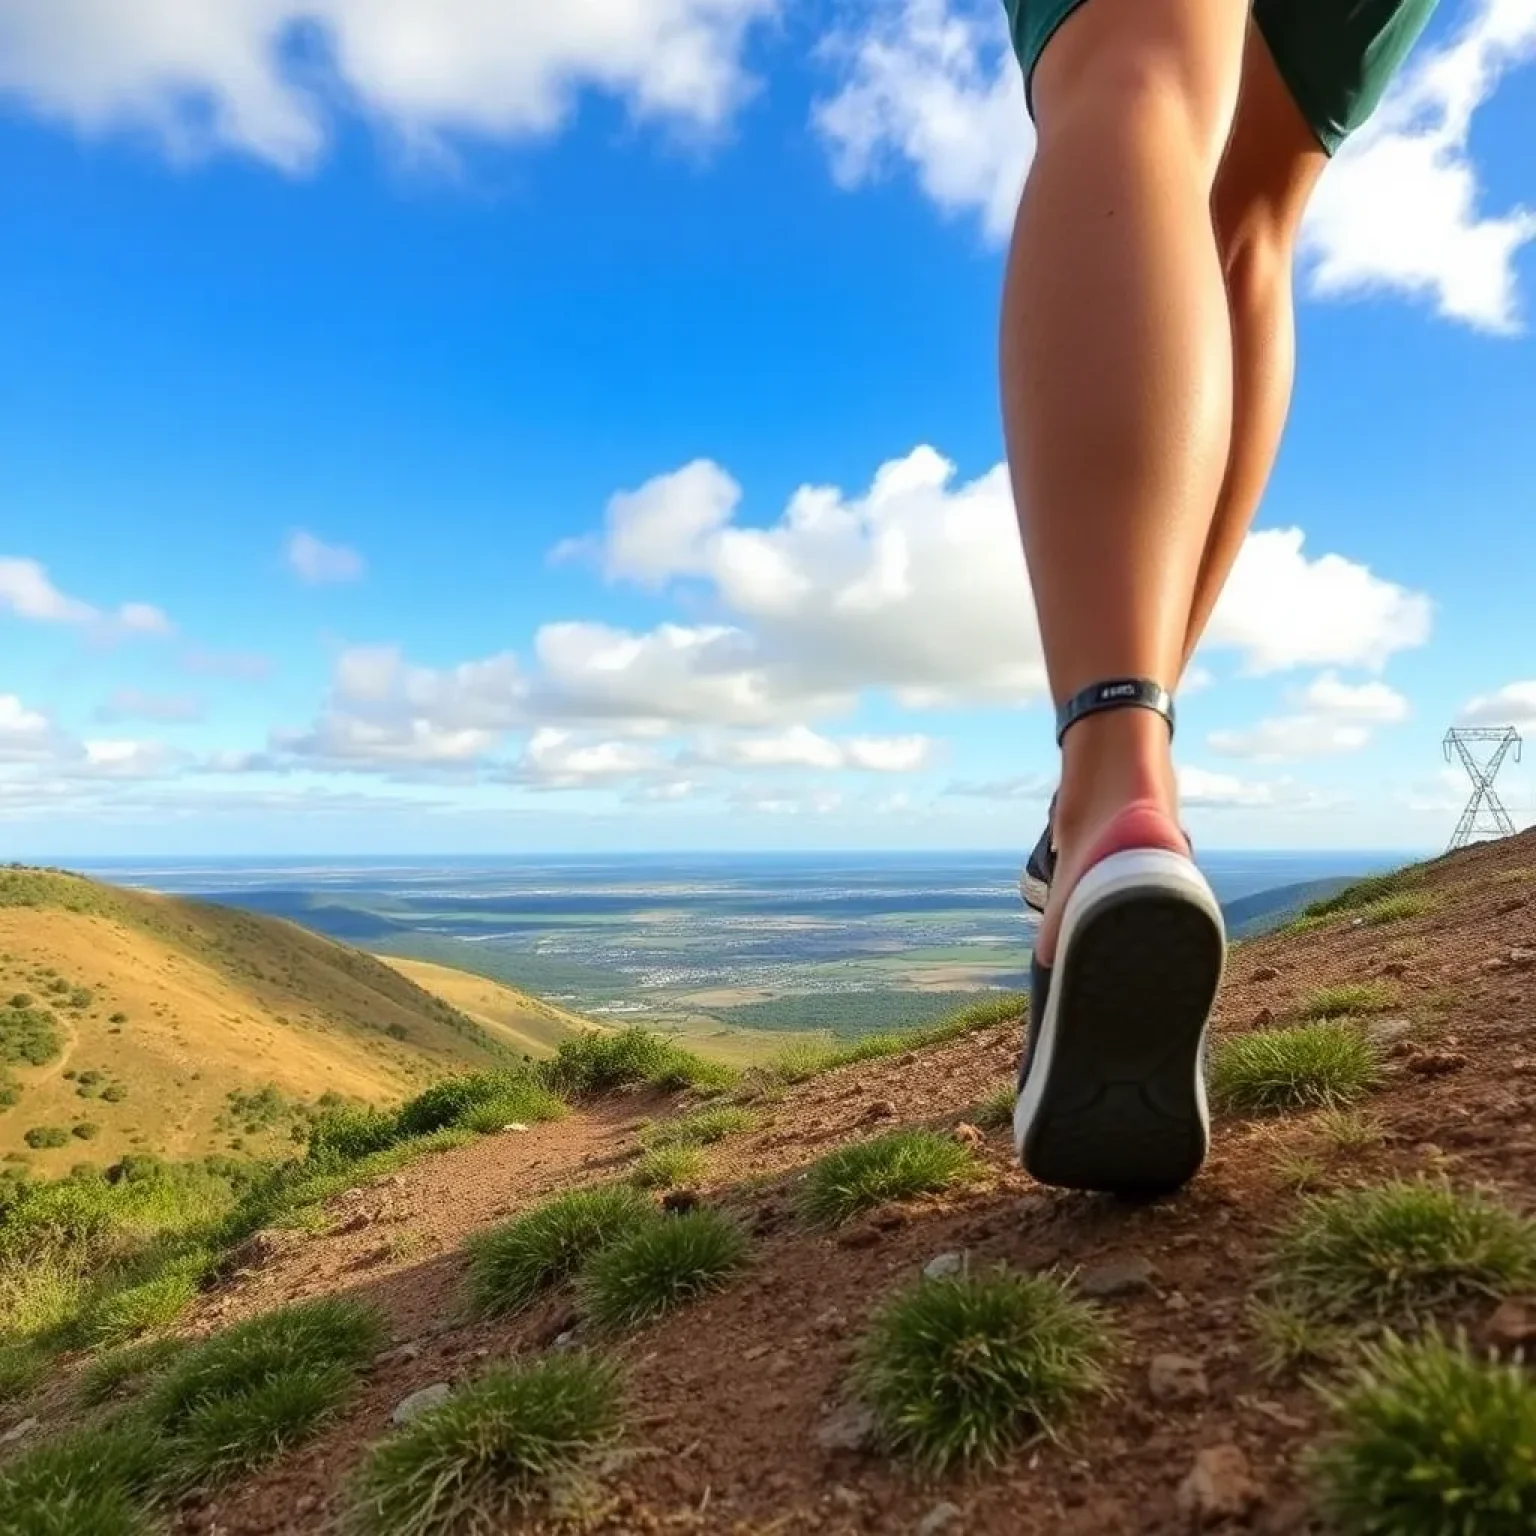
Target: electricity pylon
1485	814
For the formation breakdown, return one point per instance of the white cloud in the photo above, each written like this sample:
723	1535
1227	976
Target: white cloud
1200	789
933	85
555	759
242	666
25	734
1282	609
940	90
652	533
266	77
801	747
135	704
315	561
1400	208
1332	717
128	759
1514	704
27	591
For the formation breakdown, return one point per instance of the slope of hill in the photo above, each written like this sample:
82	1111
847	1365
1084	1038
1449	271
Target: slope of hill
749	1404
1250	916
127	1019
526	1024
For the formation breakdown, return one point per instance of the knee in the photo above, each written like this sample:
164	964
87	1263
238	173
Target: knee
1257	246
1136	91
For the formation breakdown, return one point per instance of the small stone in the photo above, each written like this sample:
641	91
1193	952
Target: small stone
18	1432
969	1135
1521	958
678	1202
1117	1277
1176	1379
306	1504
945	1265
1494	963
845	1497
1513	1325
1264	1018
1384	1032
410	1350
421	1402
1436	1063
756	1352
849	1428
565	1340
1176	1301
941	1518
1395	968
1265	973
1219	1487
833	1320
514	1125
881	1109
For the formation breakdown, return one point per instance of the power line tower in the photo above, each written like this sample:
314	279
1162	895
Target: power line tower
1485	813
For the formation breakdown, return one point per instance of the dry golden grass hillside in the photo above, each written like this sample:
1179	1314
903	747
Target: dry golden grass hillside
127	1020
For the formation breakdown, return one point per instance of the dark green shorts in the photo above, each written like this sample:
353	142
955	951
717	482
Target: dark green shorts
1337	56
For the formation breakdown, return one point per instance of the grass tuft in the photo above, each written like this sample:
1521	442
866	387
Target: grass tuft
1288	1338
22	1366
480	1101
491	1452
1348	998
1348	1130
90	1483
1399	1252
1430	1441
1396	909
509	1265
132	1365
667	1167
700	1129
895	1166
962	1371
996	1110
663	1265
1363	893
261	1386
1303	1067
593	1063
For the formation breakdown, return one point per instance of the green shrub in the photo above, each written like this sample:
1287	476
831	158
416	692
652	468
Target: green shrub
667	1167
590	1064
1361	894
1304	1067
10	1090
125	1312
459	1101
1396	909
1399	1252
496	1449
661	1265
962	1371
350	1133
115	1093
43	1137
510	1264
896	1166
85	1130
996	1110
1430	1441
22	1366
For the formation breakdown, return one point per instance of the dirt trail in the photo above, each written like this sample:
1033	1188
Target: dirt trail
731	1398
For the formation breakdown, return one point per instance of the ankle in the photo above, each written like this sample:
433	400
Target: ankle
1110	762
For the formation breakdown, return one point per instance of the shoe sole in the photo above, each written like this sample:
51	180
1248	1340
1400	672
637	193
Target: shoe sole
1035	892
1114	1099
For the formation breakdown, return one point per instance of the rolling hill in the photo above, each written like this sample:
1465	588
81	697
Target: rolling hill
127	1021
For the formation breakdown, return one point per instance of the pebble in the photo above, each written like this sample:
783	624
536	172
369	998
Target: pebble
1177	1379
1513	1324
941	1518
881	1109
968	1135
1265	973
1219	1487
1117	1277
942	1267
515	1125
421	1402
18	1432
1384	1032
1264	1018
849	1428
566	1340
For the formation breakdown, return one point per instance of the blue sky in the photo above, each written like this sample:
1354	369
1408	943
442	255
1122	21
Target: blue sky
464	427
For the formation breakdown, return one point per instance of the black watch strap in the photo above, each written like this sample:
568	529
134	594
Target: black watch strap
1117	693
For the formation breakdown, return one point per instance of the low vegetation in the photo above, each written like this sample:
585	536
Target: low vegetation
996	1110
515	1438
1397	1253
98	1481
1363	893
511	1264
896	1166
1430	1440
1347	999
132	1365
1308	1066
667	1167
662	1265
702	1128
963	1371
595	1063
1396	909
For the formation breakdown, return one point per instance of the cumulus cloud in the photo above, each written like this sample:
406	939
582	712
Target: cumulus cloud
28	592
939	90
1332	717
1513	704
26	735
318	563
136	704
268	77
1401	209
932	86
801	747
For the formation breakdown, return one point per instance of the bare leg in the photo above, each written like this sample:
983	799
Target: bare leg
1117	379
1267	175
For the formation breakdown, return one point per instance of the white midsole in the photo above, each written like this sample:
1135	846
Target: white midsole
1140	869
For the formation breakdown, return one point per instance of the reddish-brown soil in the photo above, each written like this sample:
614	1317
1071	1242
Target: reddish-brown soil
727	1396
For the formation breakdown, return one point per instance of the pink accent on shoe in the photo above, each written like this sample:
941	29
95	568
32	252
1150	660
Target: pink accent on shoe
1142	824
